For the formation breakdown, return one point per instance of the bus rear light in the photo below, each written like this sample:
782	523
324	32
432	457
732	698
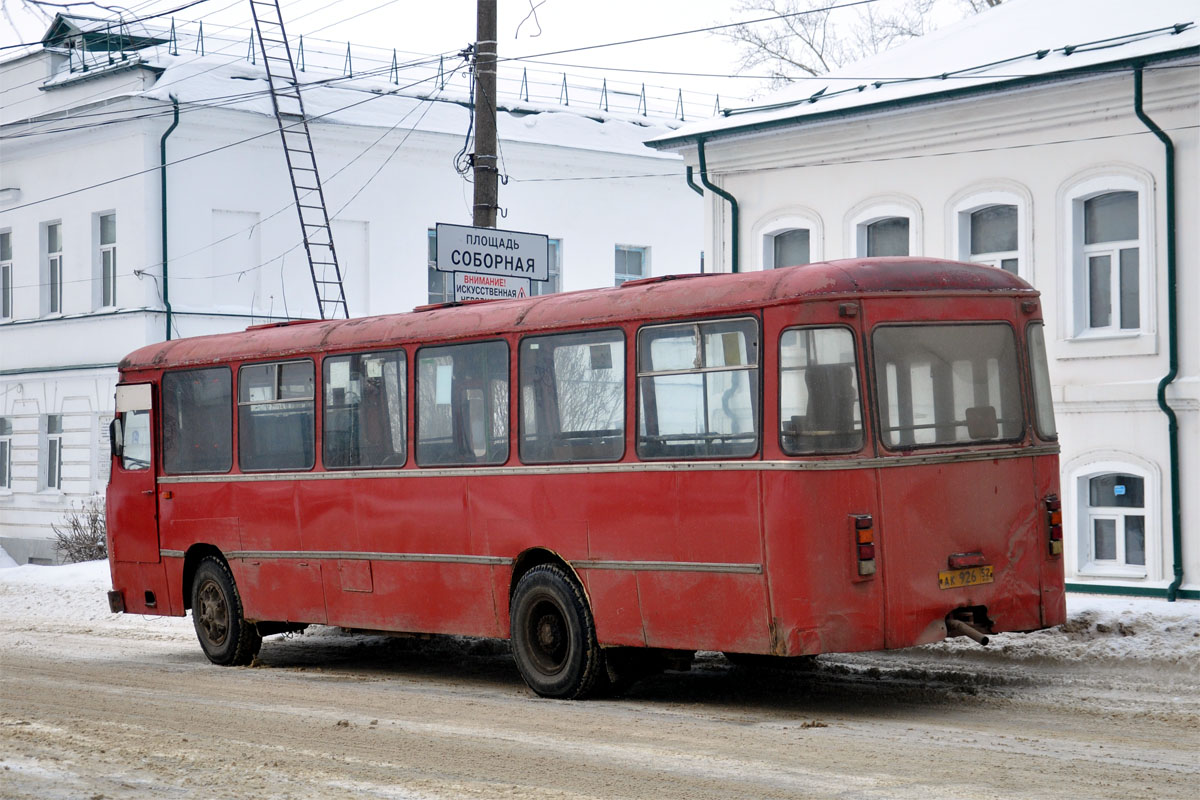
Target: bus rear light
1054	523
864	543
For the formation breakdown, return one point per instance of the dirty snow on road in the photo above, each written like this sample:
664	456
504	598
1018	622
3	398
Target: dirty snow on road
100	705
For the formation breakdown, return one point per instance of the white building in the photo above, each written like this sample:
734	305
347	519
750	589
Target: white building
1021	137
95	237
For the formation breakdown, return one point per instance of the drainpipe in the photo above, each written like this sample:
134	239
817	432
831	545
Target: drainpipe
162	169
733	206
692	183
1172	337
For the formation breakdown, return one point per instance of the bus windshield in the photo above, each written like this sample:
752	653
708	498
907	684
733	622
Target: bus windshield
947	384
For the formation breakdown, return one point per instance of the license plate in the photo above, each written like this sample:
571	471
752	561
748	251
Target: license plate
957	578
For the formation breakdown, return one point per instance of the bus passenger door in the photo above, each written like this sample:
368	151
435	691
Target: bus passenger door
132	503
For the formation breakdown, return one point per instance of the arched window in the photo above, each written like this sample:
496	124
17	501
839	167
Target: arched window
889	226
1110	253
1116	512
789	238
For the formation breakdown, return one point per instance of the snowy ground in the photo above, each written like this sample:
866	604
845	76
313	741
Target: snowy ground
94	705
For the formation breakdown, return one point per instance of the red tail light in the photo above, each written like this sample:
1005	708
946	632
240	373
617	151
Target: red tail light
864	543
1054	523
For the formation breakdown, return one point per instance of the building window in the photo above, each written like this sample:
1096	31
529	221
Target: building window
631	263
1116	520
5	453
993	237
108	259
1110	252
6	277
887	237
787	248
554	282
53	277
52	441
441	284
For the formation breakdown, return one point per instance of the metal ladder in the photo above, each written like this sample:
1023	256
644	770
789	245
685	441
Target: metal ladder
302	163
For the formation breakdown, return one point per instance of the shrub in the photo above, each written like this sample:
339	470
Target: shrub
83	535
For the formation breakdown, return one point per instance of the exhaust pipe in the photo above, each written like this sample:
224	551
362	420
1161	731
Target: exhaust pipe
956	627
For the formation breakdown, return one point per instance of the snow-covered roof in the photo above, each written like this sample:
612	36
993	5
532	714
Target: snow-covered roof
410	95
376	102
1014	43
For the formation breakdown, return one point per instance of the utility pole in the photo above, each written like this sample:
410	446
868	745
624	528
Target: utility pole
487	174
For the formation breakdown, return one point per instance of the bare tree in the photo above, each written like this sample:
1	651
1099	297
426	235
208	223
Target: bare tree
812	37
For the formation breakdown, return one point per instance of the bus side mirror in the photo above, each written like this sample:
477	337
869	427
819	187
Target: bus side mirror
115	440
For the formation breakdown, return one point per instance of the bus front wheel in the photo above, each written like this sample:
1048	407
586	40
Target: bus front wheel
553	635
225	635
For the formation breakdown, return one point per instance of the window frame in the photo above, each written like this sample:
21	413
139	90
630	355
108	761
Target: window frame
1074	306
782	221
878	407
553	282
446	278
623	277
520	396
1111	463
52	269
239	404
404	406
859	365
1001	193
416	409
6	436
162	419
758	414
52	447
106	295
6	276
876	210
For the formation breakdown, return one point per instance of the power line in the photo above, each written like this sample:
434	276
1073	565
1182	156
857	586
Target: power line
709	29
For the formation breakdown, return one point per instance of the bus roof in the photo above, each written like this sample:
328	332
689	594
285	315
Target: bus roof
662	298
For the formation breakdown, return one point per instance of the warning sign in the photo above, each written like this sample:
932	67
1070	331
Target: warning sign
469	286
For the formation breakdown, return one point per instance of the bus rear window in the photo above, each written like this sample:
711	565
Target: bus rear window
197	421
947	384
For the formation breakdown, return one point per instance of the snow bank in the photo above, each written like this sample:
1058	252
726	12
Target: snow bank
1099	628
6	560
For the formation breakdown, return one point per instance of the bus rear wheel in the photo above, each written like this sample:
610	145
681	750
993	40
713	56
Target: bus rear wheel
553	635
225	635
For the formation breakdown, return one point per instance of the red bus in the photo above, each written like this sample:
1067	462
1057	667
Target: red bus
845	456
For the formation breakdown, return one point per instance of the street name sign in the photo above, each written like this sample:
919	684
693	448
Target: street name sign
488	251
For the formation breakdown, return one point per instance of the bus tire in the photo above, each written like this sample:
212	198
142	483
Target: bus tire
225	635
553	635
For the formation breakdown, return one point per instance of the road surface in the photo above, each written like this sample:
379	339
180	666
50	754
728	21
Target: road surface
94	710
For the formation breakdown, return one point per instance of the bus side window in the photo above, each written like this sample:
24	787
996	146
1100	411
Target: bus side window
462	404
698	389
276	416
573	397
197	421
819	402
363	410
